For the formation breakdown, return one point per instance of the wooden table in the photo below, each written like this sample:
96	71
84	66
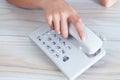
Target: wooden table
21	59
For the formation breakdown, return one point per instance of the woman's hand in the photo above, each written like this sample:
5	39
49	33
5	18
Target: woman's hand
108	3
58	14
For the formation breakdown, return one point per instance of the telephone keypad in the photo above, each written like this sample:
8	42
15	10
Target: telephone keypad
56	44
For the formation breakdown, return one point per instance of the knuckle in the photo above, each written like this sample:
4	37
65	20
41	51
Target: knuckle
48	17
78	20
63	13
74	11
56	15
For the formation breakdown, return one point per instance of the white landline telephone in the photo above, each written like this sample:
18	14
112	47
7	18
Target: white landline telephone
72	56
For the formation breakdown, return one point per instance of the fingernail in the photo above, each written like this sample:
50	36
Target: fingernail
58	32
65	37
83	38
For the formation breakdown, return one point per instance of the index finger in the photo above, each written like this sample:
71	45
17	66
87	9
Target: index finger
77	22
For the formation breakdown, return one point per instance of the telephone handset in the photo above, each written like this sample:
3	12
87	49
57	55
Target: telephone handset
66	53
91	44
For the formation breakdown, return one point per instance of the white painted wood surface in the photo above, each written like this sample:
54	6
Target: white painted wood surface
21	59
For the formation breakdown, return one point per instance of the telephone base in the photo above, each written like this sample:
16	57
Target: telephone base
65	53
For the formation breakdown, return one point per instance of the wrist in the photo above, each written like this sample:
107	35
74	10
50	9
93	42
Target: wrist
45	3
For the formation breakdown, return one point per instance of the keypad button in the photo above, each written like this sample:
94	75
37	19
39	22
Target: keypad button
43	34
52	50
59	39
63	52
39	39
47	32
54	35
65	58
49	39
64	43
58	47
57	55
43	43
69	47
53	43
48	47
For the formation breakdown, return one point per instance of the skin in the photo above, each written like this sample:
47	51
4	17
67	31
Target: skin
59	13
108	3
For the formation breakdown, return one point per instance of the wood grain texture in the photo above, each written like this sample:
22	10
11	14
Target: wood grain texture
21	59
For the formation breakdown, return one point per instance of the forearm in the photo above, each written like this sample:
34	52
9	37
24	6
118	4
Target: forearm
31	4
